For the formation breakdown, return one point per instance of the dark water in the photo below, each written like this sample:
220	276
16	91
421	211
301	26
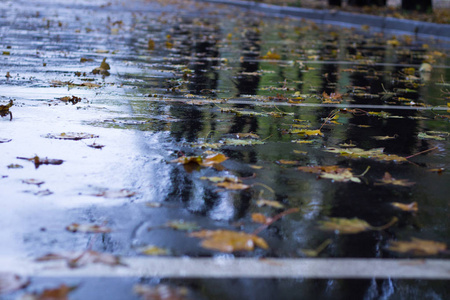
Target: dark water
216	72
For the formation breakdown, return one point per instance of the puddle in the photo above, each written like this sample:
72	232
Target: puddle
274	96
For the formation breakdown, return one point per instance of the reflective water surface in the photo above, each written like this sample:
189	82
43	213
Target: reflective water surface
272	95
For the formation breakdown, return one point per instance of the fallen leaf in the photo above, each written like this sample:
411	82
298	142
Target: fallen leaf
233	185
388	179
96	146
88	228
182	225
33	181
161	292
333	172
217	179
153	251
417	247
151	45
10	282
103	69
71	136
5	140
272	55
240	142
287	162
384	138
14	166
412	207
209	161
350	226
316	252
123	193
42	161
247	135
307	132
424	136
376	154
77	260
71	99
260	218
332	97
274	204
59	293
229	241
153	204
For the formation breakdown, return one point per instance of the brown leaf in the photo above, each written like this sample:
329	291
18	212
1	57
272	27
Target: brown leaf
59	293
233	185
333	172
274	204
153	251
88	228
412	207
229	241
260	218
161	292
388	179
77	260
42	161
418	247
33	181
11	282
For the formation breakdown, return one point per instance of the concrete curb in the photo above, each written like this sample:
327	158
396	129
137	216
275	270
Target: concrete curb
425	29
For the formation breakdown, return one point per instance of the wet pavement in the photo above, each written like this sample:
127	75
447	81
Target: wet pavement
281	99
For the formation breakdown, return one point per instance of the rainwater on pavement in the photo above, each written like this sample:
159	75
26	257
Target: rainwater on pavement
280	99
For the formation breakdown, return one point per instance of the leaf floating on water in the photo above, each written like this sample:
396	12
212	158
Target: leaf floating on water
71	136
417	247
287	162
2	140
388	179
77	260
123	193
88	228
229	241
345	226
334	172
274	204
384	138
351	226
154	251
14	166
59	293
260	218
307	132
194	162
182	225
233	185
239	142
10	282
217	179
272	56
424	136
316	252
412	207
247	136
376	154
161	292
153	204
42	161
71	99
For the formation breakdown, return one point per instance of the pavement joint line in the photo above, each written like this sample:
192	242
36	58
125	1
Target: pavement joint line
175	267
327	16
262	103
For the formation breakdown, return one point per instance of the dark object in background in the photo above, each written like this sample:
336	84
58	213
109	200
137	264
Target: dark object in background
367	2
419	5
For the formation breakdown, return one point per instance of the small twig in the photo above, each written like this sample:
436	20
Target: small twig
422	152
391	222
276	218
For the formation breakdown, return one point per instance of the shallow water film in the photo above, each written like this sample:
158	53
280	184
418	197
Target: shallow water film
184	129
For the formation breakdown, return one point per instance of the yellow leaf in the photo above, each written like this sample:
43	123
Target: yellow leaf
272	55
88	228
412	207
388	179
418	247
151	45
229	241
270	203
153	251
259	218
233	186
345	226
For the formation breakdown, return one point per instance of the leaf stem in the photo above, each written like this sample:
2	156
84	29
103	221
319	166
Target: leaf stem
276	218
422	152
391	222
